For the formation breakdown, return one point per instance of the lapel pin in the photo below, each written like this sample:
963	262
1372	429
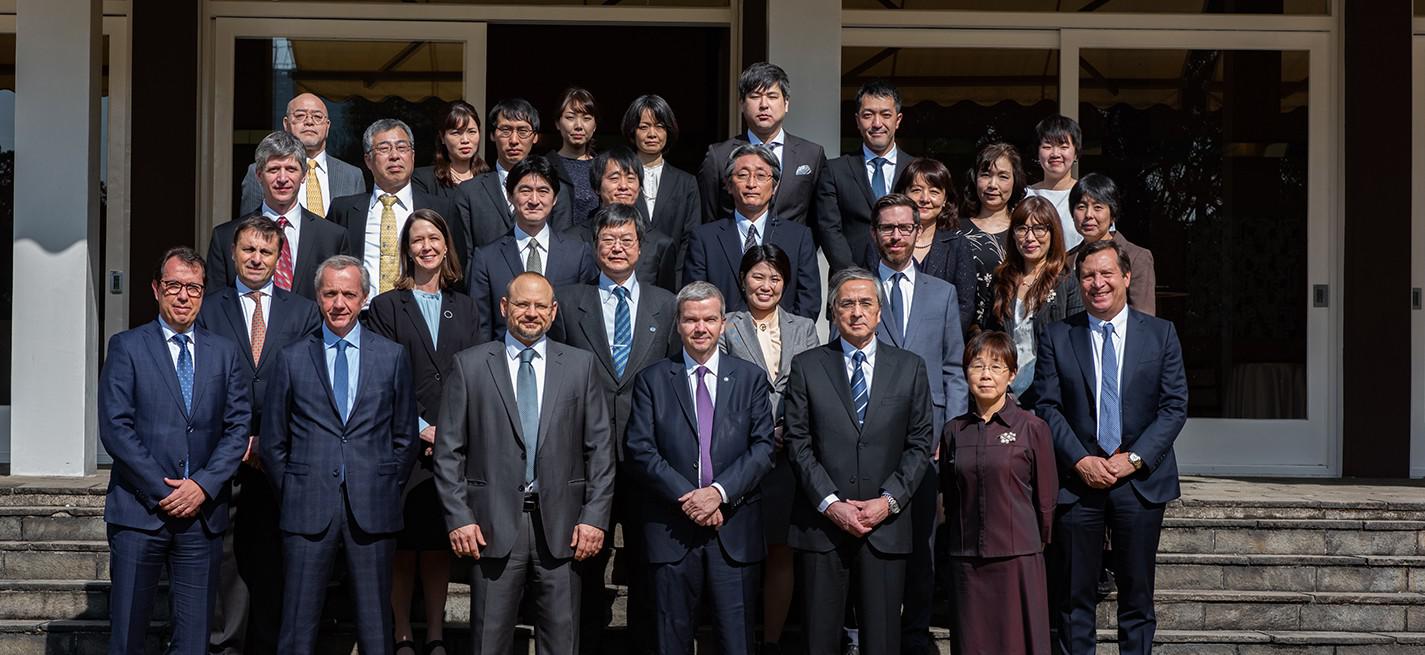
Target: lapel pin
449	314
726	379
653	328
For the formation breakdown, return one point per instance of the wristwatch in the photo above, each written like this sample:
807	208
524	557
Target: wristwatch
891	502
1135	460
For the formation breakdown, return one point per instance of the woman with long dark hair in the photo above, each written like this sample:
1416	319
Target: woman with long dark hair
457	152
997	185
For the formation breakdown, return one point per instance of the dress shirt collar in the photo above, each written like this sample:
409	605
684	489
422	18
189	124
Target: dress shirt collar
321	159
168	331
886	272
404	197
890	156
690	365
606	284
353	338
513	347
243	289
870	350
1008	416
293	215
760	223
780	139
522	241
1119	321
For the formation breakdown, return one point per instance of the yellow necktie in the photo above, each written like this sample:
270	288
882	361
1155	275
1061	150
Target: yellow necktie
314	190
390	257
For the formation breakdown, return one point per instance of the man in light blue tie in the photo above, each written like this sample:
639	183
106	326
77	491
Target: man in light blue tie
855	181
1112	389
338	440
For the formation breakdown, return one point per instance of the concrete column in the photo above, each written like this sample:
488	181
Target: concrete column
804	38
56	334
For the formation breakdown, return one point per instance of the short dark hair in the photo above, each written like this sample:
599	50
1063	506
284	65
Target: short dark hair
662	112
878	88
619	155
995	344
988	155
893	200
763	76
449	268
532	166
1097	187
1086	249
617	215
514	109
263	226
768	254
937	175
184	254
1058	128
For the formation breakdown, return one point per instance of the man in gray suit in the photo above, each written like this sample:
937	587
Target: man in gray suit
324	177
919	313
529	502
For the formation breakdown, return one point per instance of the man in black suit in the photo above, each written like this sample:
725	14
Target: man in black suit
262	320
308	240
486	210
700	441
766	95
374	221
854	182
617	175
532	245
1111	387
715	249
859	435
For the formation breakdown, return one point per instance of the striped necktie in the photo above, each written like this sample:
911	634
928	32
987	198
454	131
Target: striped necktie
860	392
623	332
314	190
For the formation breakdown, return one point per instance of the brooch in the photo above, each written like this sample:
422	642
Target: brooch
1008	437
449	314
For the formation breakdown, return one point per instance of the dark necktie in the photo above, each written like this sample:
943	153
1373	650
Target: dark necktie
341	379
185	371
751	241
527	397
705	429
898	302
878	177
1110	420
860	393
623	332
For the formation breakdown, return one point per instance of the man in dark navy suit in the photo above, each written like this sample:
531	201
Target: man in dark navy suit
173	413
262	319
338	440
700	439
1112	389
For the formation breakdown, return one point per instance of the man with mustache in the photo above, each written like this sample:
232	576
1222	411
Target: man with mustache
323	177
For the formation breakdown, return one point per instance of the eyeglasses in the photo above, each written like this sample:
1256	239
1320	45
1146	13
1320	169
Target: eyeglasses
904	228
522	305
1040	231
977	369
609	242
743	175
523	131
172	287
305	116
384	149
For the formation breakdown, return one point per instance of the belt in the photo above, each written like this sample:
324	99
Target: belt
531	502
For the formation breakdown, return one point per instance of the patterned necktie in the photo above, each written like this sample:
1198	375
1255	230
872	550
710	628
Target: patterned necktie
390	255
898	302
623	332
860	393
314	190
185	371
1110	419
259	327
533	263
527	398
705	429
341	379
282	279
878	178
751	241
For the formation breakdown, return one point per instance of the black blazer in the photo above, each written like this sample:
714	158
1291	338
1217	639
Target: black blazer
843	207
676	214
289	318
350	213
803	164
831	454
949	260
580	323
397	316
570	261
318	240
485	214
424	179
715	255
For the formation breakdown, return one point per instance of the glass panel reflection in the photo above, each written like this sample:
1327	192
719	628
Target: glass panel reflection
1302	7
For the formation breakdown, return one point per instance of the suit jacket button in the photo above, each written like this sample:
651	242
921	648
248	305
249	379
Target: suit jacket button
437	377
257	379
335	472
343	439
190	428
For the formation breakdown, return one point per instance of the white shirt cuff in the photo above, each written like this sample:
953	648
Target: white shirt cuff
826	502
722	492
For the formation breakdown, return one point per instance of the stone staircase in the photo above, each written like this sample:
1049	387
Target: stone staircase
1245	568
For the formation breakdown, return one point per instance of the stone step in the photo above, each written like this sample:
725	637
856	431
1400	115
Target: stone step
1180	609
1334	573
1296	536
1306	508
54	560
54	492
50	523
1285	642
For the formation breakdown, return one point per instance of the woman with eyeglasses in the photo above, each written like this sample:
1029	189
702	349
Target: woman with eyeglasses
457	153
1034	286
999	479
941	250
1059	142
997	180
1096	202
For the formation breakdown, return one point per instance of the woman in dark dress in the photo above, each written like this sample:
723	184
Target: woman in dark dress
433	323
999	481
940	249
457	153
576	120
997	185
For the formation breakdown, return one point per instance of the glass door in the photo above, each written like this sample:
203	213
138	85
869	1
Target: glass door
1417	263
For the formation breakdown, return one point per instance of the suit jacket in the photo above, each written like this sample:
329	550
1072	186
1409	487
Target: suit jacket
933	332
151	436
289	318
658	257
305	444
803	164
569	261
344	179
739	339
949	259
397	316
1153	389
663	446
424	179
485	213
580	323
318	239
676	214
350	213
480	456
715	255
831	454
843	206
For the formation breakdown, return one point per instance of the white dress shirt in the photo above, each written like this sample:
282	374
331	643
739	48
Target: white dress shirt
690	367
522	240
777	142
293	231
609	303
513	348
322	179
652	177
248	305
907	291
888	169
1120	337
403	207
867	369
168	333
743	223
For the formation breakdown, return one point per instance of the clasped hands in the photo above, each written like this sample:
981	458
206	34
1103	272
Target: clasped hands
1102	473
859	517
185	500
467	540
703	506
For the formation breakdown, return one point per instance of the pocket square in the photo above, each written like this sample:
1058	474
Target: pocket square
804	169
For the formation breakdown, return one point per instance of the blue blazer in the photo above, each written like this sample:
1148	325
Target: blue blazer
1154	393
715	255
304	442
145	428
570	260
933	332
663	449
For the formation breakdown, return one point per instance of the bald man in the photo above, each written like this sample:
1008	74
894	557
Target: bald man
325	177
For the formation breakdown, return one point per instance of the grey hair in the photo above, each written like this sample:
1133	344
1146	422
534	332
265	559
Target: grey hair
279	145
384	125
761	151
842	277
698	292
341	263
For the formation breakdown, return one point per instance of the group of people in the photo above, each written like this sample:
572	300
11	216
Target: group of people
504	362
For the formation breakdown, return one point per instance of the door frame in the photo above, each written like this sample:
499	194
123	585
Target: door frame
1417	261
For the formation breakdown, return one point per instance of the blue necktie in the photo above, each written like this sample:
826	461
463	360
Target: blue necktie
898	302
860	394
341	379
878	178
623	332
185	371
1110	419
527	397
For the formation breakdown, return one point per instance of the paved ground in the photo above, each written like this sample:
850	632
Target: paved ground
1390	493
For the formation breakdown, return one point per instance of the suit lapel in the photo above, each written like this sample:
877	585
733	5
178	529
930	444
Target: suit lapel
680	389
276	314
355	229
892	330
1135	343
447	324
232	309
917	308
412	311
500	372
645	334
791	159
856	168
306	256
1082	344
552	385
205	361
591	322
784	324
510	249
836	373
497	198
746	330
158	349
720	404
318	352
902	161
878	384
732	243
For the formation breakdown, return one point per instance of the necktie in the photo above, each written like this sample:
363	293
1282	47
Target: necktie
860	393
623	332
341	379
705	429
390	256
314	190
1110	420
533	263
185	371
751	241
282	279
898	302
527	398
259	327
878	178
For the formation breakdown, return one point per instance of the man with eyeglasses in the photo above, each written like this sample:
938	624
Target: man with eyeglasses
618	176
323	177
374	221
484	202
854	182
174	408
753	176
920	313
